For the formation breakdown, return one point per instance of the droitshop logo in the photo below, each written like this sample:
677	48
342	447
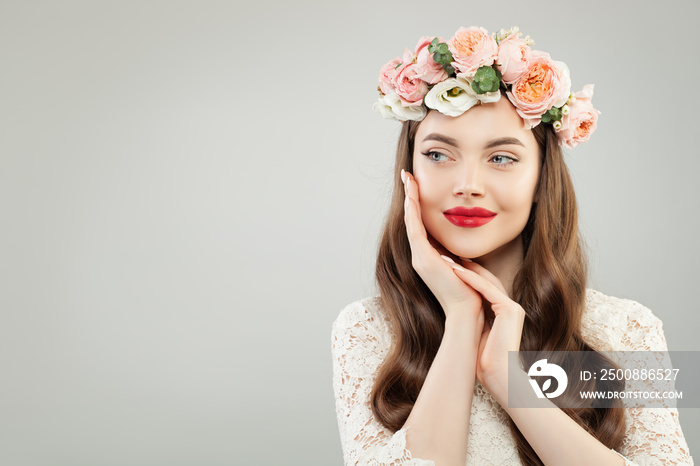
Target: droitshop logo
551	371
582	379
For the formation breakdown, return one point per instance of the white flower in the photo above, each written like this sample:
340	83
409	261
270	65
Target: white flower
452	97
489	97
503	34
390	106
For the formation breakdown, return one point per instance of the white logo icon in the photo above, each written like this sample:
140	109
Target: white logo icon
542	369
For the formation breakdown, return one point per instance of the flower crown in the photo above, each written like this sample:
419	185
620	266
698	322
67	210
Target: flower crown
471	68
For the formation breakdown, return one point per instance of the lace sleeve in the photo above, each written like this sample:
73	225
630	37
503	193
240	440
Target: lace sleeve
359	344
653	435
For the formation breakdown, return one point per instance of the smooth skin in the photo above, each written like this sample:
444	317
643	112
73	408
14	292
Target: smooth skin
474	345
483	158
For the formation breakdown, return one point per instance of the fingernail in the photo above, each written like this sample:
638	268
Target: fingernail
447	259
459	267
403	176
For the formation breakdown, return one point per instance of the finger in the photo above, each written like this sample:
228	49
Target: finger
407	208
417	226
424	248
414	226
412	191
488	290
448	259
484	272
414	222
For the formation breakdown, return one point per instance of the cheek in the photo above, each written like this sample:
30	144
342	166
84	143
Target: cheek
431	184
433	191
518	194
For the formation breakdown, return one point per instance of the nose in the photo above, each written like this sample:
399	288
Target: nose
469	183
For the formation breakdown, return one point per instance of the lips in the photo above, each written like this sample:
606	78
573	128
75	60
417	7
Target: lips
469	217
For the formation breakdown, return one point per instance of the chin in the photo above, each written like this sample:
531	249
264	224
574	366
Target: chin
484	251
468	252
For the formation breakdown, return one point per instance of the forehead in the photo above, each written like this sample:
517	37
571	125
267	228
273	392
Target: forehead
478	125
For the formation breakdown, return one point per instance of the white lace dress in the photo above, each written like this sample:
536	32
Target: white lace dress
361	340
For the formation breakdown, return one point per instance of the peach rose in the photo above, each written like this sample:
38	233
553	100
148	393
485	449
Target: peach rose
428	70
582	120
543	85
471	49
387	75
408	83
512	58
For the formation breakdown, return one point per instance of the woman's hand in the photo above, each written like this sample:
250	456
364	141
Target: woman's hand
498	337
452	293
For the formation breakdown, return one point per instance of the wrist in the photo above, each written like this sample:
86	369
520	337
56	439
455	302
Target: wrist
460	317
465	325
517	393
462	311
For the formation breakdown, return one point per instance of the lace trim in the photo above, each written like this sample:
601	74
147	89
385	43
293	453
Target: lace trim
361	339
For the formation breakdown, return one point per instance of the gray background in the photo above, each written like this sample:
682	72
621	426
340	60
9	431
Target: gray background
191	192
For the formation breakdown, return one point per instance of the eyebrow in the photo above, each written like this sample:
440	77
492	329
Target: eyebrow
490	144
441	138
503	142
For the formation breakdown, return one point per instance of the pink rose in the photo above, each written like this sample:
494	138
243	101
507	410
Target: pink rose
387	75
512	58
409	86
471	49
428	70
543	85
582	120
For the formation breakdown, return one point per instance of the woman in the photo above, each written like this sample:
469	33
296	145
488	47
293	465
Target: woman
480	256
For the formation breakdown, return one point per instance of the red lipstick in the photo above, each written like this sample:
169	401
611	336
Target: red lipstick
469	217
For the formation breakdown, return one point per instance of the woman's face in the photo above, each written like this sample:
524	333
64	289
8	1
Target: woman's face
477	174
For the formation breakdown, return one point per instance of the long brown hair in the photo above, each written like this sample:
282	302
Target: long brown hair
550	285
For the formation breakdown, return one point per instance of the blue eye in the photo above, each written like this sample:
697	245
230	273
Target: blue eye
503	159
435	156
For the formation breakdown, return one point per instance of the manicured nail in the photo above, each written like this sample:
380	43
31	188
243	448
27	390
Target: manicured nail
459	267
447	259
403	176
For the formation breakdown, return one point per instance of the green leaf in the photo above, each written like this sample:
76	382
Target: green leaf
552	115
432	48
486	79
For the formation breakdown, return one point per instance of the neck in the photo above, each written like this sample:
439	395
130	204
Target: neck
504	262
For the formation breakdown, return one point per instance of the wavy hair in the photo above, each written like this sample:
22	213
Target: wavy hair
550	285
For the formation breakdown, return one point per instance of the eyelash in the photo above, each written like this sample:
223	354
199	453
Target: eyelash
507	164
429	154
